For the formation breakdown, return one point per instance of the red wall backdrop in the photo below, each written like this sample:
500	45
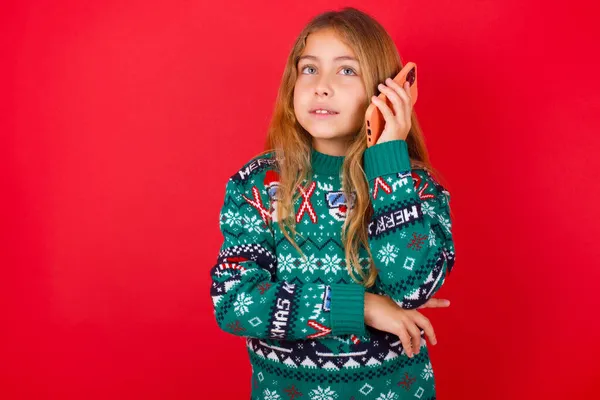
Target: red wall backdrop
121	122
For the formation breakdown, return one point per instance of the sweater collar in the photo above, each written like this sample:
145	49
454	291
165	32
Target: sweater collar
326	164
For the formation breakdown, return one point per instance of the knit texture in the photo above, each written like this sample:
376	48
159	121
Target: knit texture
303	320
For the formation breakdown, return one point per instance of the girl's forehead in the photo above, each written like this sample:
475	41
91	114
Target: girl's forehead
326	41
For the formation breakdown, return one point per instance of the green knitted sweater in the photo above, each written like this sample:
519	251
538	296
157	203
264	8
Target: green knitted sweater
303	319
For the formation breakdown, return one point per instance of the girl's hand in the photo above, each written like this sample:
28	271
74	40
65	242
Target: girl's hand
396	126
381	312
435	303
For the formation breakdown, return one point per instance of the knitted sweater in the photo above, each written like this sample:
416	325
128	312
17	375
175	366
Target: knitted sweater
303	320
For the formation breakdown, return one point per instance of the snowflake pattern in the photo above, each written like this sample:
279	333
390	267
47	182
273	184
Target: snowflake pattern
432	238
417	241
231	218
254	224
285	263
445	222
388	396
310	265
331	264
428	209
323	394
292	392
388	254
271	395
240	305
427	371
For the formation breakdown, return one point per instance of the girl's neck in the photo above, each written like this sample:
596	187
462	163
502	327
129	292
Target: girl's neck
337	147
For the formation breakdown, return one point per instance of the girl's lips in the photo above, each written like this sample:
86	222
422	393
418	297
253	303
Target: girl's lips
322	116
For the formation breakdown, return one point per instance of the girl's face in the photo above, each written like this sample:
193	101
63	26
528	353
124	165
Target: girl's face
329	78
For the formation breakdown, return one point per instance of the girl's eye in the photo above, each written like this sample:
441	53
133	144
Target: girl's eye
308	66
346	68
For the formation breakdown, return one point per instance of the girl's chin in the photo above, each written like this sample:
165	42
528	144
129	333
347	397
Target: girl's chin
324	135
330	136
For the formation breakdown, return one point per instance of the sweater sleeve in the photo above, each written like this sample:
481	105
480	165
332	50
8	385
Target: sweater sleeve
410	232
248	298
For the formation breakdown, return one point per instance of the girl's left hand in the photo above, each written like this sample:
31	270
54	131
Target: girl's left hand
396	126
435	303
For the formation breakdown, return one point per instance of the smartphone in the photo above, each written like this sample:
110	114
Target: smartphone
373	117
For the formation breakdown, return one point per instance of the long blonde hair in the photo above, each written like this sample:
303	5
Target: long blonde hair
291	144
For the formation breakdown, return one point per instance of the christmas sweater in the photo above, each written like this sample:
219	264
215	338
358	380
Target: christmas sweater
303	319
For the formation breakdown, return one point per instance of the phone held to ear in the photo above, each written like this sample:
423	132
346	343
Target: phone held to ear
373	117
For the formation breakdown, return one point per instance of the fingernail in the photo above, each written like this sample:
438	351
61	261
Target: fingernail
447	302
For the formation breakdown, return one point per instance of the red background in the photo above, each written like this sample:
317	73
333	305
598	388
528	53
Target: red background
121	122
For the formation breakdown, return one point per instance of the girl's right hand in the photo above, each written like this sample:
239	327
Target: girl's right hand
382	313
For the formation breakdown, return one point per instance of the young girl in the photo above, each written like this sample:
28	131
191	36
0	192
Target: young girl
330	246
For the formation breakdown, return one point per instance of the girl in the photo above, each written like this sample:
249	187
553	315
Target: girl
330	246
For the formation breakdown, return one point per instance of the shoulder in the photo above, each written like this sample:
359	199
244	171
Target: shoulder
255	171
253	185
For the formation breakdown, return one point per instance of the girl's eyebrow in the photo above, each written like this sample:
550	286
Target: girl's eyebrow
311	57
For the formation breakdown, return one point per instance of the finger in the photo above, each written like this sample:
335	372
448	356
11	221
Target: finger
408	103
385	110
435	303
404	93
405	339
428	304
431	303
425	323
415	334
392	94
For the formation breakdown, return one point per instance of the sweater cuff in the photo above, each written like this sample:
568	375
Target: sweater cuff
386	158
347	309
